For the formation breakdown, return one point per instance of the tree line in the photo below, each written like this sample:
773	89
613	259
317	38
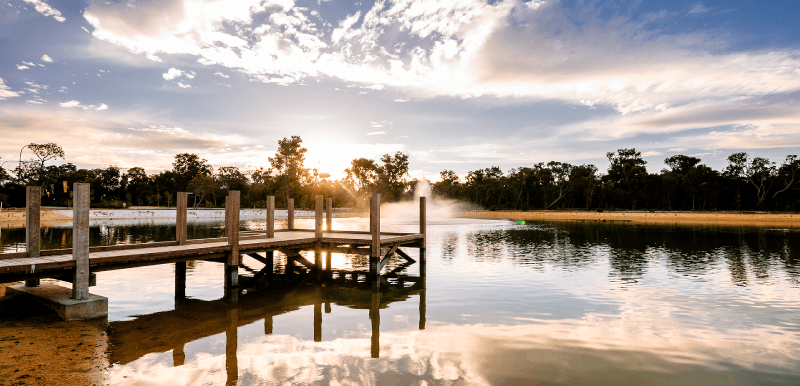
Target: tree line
285	177
746	183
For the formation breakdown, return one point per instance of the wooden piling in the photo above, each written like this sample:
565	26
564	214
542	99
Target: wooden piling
375	231
318	216
181	205
270	216
290	214
80	241
33	208
422	221
232	232
329	215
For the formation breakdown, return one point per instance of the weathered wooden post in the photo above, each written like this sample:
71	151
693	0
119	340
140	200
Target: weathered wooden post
181	206
290	214
270	216
375	231
318	217
329	215
422	220
80	241
232	232
33	208
270	255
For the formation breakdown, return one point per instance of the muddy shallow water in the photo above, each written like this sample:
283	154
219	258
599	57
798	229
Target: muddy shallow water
499	303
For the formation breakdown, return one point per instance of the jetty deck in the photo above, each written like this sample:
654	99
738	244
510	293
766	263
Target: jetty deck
79	264
59	262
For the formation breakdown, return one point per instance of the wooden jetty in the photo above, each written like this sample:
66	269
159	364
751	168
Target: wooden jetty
79	264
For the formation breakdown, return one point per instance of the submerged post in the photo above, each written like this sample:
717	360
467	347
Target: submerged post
375	231
80	241
329	215
232	231
33	208
318	217
422	220
270	216
290	214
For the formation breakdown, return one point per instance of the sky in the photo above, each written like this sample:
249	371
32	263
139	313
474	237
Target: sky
458	85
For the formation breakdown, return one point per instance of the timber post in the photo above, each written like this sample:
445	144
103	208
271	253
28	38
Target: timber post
423	208
375	232
270	255
290	214
80	241
329	215
232	232
375	319
33	210
318	217
270	216
181	205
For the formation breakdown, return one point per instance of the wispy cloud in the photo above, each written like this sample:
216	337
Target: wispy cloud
46	58
5	91
74	103
45	9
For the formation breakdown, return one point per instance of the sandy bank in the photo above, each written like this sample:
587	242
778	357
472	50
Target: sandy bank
697	218
38	348
16	217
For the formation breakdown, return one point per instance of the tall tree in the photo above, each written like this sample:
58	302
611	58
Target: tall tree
289	163
187	166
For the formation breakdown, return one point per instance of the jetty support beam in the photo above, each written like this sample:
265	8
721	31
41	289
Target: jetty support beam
329	215
33	207
290	214
232	232
423	214
375	232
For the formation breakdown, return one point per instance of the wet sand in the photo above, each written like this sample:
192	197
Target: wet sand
16	218
781	220
38	348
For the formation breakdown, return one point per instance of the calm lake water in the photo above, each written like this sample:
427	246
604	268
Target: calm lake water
500	304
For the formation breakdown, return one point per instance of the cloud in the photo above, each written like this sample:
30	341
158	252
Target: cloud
222	75
6	92
376	133
70	104
698	8
74	103
97	141
172	73
462	49
46	58
181	85
22	67
45	9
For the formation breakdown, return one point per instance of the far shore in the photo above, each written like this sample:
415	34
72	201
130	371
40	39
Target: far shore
760	219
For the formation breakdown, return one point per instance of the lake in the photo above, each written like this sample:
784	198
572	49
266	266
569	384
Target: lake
498	303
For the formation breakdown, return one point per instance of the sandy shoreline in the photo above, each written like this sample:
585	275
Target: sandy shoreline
782	220
41	349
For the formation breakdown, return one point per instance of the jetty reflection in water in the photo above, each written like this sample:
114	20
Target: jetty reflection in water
193	319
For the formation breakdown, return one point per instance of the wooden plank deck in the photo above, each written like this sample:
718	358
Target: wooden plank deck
249	242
